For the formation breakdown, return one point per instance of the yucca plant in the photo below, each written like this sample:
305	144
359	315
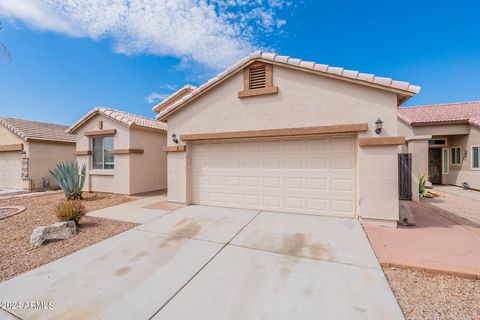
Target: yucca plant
421	186
70	179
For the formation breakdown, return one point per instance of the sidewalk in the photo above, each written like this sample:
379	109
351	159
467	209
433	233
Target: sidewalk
436	244
459	191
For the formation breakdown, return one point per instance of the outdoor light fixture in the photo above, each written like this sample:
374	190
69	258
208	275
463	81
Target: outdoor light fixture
174	138
378	126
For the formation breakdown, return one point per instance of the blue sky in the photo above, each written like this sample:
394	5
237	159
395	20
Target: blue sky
67	59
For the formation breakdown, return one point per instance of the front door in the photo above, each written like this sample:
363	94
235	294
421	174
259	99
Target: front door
435	165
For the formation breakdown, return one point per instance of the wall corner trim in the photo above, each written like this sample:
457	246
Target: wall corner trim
179	148
82	152
127	151
283	132
105	132
11	147
381	141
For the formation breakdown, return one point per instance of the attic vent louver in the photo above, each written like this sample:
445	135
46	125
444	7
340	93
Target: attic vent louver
258	77
257	80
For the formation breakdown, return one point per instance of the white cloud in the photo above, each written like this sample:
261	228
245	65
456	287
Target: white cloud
213	33
156	97
170	87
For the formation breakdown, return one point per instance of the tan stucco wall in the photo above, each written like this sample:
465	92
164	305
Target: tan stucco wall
464	173
8	137
132	173
44	156
148	171
303	100
453	129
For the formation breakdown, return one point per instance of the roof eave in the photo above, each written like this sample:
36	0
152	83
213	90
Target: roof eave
438	123
88	117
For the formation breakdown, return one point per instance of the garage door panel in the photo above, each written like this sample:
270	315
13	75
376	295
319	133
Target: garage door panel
11	170
308	176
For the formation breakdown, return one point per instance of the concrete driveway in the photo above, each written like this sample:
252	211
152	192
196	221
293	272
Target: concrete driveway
213	263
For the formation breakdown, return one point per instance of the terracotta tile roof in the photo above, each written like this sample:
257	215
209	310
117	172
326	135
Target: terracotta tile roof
441	113
176	95
341	73
122	117
34	130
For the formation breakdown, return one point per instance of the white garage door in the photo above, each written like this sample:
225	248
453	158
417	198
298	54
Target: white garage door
314	176
10	170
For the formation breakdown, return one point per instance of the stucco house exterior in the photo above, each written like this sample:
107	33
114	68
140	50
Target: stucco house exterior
281	134
122	151
444	140
28	149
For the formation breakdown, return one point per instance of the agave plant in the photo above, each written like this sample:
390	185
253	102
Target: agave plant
421	186
70	179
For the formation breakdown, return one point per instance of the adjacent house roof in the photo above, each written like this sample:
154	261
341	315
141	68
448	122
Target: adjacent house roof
466	112
122	117
174	96
34	130
404	90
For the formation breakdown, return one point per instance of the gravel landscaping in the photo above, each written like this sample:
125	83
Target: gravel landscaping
435	296
18	256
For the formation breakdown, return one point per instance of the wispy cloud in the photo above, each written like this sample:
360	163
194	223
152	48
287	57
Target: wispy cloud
212	33
156	97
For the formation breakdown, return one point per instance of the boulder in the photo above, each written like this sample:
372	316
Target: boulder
57	231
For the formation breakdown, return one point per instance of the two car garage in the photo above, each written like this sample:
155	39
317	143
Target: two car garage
313	175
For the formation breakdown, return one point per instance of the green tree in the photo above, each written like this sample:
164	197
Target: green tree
4	51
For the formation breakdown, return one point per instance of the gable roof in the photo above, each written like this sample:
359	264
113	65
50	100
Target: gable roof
34	130
122	117
466	112
404	90
174	96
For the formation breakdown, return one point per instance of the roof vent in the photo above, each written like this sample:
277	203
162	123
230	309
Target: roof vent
258	77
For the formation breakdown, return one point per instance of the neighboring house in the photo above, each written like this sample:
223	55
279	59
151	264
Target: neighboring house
122	151
444	140
28	149
281	134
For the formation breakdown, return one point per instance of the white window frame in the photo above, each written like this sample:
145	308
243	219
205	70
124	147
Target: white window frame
103	153
471	162
459	156
445	151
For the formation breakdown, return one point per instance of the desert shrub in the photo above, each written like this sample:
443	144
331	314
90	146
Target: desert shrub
70	210
422	186
70	179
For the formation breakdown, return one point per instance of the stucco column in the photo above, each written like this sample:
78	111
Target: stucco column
418	147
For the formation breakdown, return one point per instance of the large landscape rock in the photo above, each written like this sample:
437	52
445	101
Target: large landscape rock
56	231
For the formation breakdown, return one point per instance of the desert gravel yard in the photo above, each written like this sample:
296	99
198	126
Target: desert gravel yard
425	296
18	256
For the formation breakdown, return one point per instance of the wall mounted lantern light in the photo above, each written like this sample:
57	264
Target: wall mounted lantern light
378	126
174	138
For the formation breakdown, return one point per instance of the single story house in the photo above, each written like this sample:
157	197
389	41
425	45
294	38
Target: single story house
28	149
444	140
122	151
281	134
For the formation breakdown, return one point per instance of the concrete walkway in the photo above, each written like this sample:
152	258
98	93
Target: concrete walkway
437	243
215	263
138	211
459	191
